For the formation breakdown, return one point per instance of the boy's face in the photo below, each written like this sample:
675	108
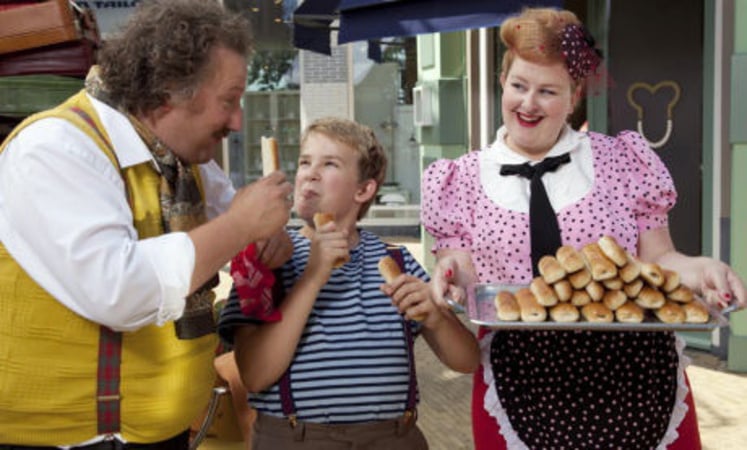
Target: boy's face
327	180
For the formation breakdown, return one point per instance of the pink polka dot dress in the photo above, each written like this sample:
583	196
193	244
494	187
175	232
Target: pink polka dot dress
563	389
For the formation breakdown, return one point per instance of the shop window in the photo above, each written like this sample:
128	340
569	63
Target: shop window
272	101
383	96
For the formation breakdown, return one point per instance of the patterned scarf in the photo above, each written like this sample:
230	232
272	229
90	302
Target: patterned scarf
182	209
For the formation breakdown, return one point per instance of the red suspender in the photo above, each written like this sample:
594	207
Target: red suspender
396	254
107	392
110	342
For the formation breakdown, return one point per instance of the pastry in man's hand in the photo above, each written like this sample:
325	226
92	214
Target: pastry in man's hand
270	155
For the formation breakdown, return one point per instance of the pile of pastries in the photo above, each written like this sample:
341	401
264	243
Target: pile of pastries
601	282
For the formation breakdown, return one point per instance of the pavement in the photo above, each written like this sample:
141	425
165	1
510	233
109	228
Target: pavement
444	411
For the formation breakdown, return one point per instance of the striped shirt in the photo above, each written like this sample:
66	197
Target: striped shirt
351	363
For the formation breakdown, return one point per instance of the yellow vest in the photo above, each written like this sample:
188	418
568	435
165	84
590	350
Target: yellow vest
49	354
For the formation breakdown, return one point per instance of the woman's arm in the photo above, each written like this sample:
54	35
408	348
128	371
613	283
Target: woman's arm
714	280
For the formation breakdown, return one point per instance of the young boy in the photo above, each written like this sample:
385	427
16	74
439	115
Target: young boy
335	369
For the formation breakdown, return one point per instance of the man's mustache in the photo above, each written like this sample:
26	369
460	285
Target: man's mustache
223	133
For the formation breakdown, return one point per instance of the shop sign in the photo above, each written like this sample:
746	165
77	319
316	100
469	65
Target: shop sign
110	14
100	4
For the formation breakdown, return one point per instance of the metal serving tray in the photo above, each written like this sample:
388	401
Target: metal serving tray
480	308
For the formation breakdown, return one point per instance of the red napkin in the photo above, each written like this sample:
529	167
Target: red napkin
253	282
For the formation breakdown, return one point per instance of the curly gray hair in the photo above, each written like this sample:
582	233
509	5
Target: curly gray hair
164	51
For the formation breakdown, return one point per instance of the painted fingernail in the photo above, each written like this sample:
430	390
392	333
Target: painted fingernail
449	273
726	295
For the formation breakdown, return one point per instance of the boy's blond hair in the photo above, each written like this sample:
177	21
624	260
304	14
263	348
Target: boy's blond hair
371	156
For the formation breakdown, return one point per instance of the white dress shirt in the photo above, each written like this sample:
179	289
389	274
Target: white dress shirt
65	219
565	186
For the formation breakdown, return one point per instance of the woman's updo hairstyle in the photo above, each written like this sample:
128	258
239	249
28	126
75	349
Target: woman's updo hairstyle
549	36
536	35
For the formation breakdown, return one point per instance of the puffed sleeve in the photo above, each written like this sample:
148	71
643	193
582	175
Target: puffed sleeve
446	207
651	186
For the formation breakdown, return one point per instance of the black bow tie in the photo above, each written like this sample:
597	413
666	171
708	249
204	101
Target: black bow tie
543	223
527	170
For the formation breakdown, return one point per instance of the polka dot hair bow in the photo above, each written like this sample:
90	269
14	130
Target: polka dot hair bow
581	57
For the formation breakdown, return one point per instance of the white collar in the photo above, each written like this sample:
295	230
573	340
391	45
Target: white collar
570	141
129	147
566	186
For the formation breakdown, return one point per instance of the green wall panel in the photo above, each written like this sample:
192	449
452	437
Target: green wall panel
453	54
739	219
740	26
448	111
738	113
739	98
737	359
709	183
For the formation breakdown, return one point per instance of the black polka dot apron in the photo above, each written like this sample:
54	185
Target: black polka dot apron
586	389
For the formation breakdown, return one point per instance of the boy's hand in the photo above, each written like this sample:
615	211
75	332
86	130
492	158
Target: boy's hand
412	297
327	246
320	219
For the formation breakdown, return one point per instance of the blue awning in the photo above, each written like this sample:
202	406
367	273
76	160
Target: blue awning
311	25
370	19
375	19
